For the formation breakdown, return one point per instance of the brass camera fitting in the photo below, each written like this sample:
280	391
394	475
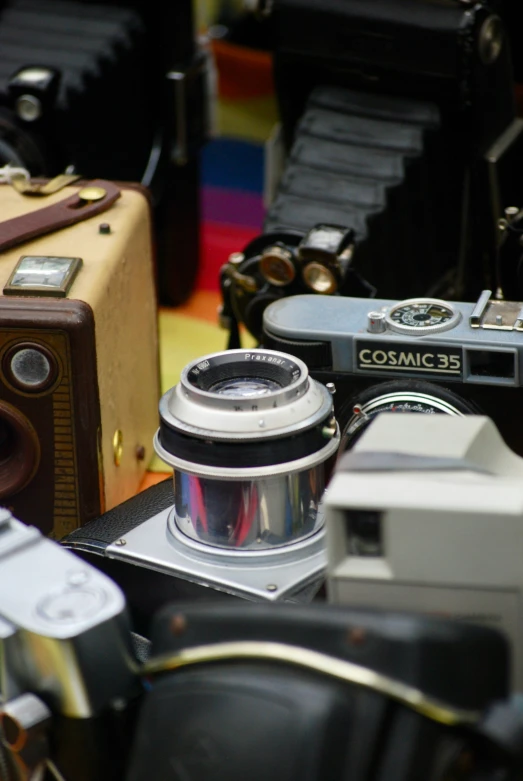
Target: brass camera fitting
277	266
324	254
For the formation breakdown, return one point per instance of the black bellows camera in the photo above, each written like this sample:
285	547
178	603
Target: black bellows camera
399	125
111	90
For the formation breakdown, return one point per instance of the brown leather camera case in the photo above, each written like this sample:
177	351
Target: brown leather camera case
80	443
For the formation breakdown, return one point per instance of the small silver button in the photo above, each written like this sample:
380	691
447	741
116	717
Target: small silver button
376	323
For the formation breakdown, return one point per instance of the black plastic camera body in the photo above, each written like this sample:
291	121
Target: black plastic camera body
113	90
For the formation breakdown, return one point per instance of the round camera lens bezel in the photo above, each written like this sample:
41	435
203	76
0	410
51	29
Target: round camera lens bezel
289	373
235	431
30	389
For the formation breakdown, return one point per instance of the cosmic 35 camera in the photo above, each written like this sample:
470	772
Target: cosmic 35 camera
419	355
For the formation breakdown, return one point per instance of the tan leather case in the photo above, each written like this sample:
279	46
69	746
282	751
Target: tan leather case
116	282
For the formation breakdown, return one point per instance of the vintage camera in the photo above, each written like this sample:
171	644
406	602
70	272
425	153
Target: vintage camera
333	692
419	355
426	514
399	124
248	435
114	90
79	376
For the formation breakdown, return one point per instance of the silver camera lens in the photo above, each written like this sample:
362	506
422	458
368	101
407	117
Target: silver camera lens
247	433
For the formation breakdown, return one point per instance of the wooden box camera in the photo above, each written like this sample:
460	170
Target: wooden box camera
79	377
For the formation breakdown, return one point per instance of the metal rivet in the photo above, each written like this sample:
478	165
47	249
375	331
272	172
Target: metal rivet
178	624
357	636
272	587
121	542
92	194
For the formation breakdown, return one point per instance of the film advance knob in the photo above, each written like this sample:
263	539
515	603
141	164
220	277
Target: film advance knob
376	323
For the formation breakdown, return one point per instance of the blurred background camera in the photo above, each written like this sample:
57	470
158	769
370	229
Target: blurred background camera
399	123
113	90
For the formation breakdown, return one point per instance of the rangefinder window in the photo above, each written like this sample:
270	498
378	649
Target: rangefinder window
487	363
364	533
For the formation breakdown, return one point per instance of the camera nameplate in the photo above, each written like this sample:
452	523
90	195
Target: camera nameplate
398	357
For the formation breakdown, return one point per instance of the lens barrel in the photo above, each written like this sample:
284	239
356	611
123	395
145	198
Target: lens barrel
247	433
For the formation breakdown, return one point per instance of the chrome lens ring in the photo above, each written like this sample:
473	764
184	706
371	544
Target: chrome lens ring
247	434
281	378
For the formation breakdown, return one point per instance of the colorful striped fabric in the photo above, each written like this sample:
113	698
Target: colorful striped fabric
232	210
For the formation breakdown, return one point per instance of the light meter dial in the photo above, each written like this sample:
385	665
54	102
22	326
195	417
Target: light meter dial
421	316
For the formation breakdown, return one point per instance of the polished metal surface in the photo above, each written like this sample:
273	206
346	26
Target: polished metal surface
249	514
61	623
286	573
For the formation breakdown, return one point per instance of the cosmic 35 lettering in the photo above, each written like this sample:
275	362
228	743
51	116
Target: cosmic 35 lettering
431	360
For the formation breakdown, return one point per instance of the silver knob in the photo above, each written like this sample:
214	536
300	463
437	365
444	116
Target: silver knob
376	323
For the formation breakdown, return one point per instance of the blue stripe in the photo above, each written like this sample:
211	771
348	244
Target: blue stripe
236	165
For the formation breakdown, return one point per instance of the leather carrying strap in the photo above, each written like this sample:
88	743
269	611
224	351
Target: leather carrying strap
59	215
